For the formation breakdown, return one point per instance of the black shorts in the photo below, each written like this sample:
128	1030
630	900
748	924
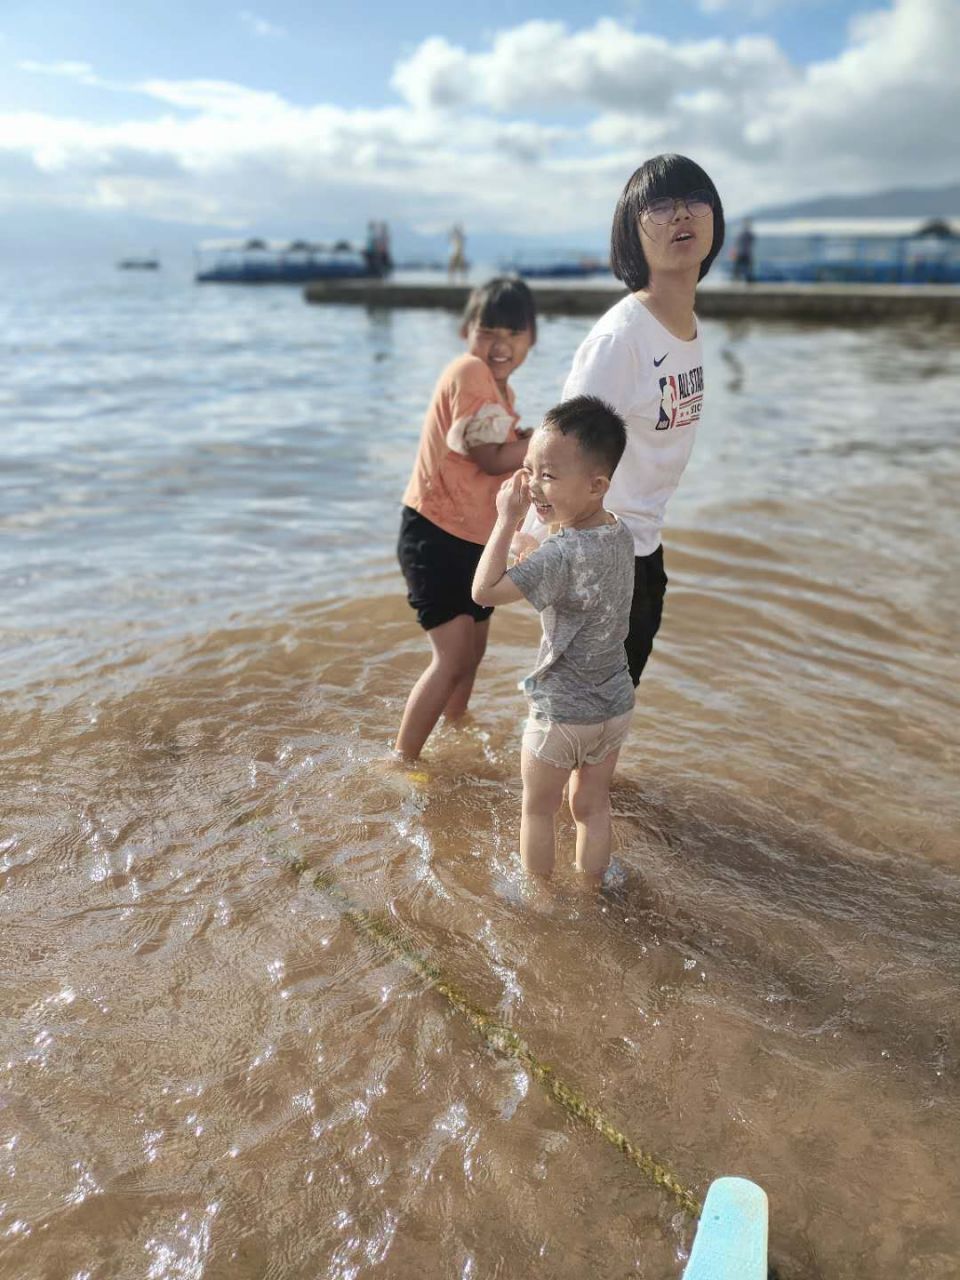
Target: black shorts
649	588
439	570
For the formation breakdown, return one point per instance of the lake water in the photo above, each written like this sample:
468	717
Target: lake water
208	1070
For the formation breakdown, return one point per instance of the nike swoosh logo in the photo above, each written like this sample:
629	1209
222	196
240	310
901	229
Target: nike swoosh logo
658	363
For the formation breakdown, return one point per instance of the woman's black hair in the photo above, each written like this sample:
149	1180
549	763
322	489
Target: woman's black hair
667	175
502	303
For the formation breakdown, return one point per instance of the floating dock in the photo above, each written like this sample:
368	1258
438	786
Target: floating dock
847	303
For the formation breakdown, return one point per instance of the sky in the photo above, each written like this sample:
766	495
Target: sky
291	118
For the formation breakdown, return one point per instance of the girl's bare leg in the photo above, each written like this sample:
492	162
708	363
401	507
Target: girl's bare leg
542	796
457	702
590	806
454	660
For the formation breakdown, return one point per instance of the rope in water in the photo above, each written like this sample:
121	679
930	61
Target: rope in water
502	1039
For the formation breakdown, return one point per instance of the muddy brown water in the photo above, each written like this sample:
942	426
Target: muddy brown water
207	1071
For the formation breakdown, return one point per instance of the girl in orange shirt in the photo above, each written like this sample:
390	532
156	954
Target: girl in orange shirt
468	442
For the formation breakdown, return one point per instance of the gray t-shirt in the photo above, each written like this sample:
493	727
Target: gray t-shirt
581	582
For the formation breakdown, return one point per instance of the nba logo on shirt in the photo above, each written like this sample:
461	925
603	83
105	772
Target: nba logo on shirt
669	400
681	398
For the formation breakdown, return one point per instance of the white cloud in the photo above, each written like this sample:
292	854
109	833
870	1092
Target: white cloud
878	113
82	72
542	65
751	8
487	136
261	27
218	98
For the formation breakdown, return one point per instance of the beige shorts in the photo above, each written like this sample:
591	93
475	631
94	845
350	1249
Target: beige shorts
568	746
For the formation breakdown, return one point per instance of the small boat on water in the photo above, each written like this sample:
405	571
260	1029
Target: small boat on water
283	262
581	268
138	264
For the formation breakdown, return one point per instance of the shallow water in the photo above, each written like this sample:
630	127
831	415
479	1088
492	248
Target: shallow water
208	1070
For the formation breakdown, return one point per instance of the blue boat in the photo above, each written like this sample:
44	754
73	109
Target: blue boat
139	264
282	262
857	251
574	268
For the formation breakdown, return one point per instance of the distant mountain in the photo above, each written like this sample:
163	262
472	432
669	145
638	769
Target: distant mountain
901	202
64	237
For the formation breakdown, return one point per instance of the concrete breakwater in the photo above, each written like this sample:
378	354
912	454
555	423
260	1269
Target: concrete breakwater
815	302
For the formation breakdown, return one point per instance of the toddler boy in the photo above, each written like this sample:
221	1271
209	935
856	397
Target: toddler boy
580	579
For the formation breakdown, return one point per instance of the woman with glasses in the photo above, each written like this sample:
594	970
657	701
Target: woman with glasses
644	358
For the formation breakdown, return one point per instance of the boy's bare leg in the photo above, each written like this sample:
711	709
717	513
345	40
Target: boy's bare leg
542	796
590	806
457	702
454	649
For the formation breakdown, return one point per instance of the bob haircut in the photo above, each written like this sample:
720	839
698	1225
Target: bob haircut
502	303
667	175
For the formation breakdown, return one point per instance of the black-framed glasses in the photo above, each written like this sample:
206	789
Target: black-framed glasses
698	205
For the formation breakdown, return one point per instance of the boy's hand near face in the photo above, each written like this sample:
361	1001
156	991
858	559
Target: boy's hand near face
513	499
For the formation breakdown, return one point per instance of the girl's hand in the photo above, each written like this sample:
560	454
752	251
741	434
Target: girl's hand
522	545
513	499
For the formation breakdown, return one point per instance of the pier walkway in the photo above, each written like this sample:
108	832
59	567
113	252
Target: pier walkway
815	302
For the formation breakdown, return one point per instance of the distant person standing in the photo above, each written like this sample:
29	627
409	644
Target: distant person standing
743	254
384	256
458	261
376	250
370	253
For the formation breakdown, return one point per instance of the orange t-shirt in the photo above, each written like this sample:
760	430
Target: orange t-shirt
446	486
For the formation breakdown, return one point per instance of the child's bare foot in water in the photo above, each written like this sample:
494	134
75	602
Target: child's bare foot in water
395	766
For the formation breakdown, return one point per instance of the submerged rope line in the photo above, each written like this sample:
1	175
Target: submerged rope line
501	1038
